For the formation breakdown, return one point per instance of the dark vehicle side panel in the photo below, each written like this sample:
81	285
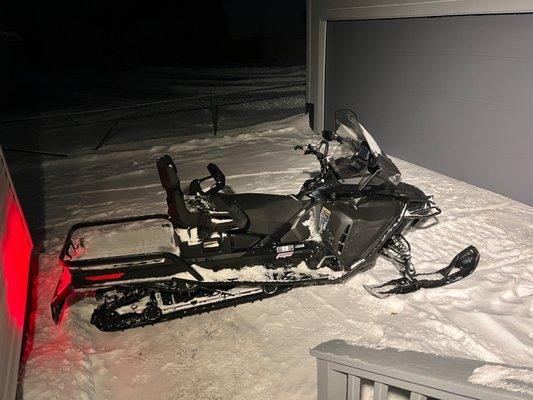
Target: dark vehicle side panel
353	230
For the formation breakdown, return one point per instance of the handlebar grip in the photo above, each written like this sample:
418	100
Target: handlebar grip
298	147
217	174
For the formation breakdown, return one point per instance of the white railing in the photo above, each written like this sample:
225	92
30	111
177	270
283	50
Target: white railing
343	367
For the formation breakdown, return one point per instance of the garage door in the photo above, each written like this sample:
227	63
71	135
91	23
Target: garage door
453	94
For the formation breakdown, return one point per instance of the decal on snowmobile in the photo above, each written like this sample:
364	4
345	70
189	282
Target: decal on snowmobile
285	249
228	249
284	255
325	214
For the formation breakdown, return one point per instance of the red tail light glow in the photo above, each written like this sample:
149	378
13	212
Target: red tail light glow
65	280
107	277
15	255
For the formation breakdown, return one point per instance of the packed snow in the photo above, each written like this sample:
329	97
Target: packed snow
261	350
508	378
122	239
259	273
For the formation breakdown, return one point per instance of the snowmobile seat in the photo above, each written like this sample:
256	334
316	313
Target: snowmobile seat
257	213
266	212
232	218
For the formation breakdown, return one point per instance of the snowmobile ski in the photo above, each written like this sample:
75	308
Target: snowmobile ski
461	266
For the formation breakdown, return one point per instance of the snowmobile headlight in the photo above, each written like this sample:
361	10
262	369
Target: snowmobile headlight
395	179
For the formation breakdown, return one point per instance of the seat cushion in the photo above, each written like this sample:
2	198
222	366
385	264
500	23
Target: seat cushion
266	212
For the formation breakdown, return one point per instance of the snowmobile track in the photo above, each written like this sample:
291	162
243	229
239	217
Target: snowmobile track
100	317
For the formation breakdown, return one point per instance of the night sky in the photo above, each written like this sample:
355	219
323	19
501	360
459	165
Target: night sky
118	35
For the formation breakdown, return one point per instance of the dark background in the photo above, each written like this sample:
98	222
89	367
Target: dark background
117	35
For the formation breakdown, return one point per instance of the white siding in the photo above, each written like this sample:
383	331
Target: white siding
11	328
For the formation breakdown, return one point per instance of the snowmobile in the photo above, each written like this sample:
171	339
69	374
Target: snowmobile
222	249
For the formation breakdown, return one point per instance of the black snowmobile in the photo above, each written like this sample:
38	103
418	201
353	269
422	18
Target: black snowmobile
223	249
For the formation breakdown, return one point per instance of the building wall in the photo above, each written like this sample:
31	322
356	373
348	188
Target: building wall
15	253
452	94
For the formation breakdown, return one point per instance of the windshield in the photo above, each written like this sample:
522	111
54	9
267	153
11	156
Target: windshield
352	133
355	152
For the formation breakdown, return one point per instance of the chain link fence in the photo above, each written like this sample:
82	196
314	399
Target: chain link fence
94	129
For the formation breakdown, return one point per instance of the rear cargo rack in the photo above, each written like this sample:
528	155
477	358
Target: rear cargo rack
82	279
68	244
122	259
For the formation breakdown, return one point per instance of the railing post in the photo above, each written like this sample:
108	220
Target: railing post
354	388
322	371
380	391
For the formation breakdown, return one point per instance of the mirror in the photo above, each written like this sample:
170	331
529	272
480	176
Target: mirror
346	117
328	135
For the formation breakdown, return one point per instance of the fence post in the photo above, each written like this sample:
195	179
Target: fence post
110	132
214	115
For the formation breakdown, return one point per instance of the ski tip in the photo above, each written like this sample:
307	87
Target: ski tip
372	289
470	249
468	258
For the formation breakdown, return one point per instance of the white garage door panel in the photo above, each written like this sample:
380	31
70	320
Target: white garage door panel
454	94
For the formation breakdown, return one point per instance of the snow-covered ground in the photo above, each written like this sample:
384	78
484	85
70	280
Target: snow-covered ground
147	102
260	350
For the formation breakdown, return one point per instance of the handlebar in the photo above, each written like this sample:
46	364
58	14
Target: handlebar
214	173
320	151
315	149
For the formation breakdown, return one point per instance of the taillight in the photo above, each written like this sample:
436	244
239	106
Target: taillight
106	277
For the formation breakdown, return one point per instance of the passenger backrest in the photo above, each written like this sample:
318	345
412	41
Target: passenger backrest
168	172
180	215
178	212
